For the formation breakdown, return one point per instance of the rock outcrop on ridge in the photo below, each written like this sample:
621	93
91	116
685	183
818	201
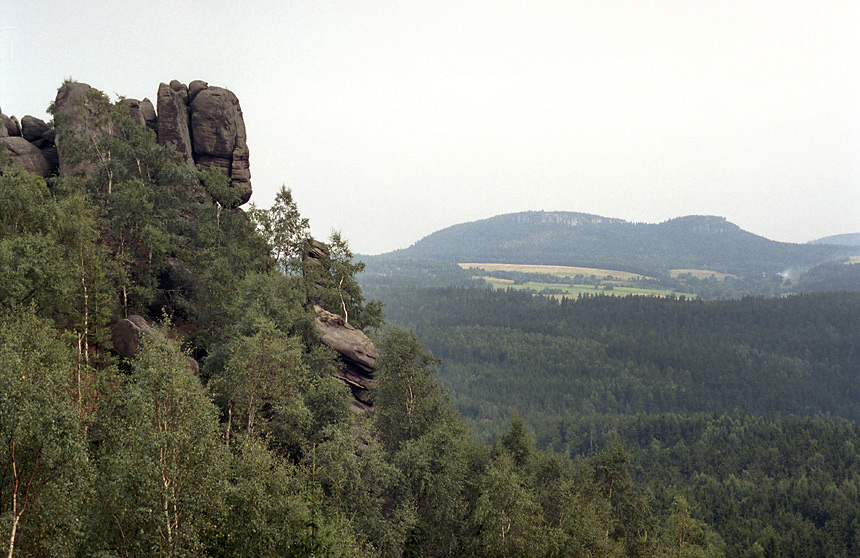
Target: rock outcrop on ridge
29	144
203	123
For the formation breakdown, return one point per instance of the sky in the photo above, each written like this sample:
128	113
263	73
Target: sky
390	120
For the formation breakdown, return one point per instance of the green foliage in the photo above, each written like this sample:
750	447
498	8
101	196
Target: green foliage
408	401
217	185
51	256
43	463
5	156
284	229
508	351
708	396
272	513
266	369
160	459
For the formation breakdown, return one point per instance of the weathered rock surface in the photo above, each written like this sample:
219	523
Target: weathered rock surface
133	106
26	156
172	126
148	113
357	352
196	87
72	117
317	262
13	128
219	137
32	128
128	334
29	144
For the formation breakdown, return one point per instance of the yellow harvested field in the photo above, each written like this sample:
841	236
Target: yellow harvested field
853	260
558	270
494	279
699	273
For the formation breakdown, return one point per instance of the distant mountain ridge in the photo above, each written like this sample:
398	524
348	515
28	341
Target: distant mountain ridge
850	239
569	238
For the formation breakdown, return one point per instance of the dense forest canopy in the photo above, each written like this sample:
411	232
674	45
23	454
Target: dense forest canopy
745	407
257	450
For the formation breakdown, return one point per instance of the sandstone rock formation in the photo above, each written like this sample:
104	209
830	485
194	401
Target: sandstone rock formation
13	128
133	107
74	118
219	138
147	111
206	126
32	128
204	123
172	124
357	353
128	334
26	156
28	144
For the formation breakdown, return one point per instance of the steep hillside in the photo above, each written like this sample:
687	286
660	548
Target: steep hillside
562	238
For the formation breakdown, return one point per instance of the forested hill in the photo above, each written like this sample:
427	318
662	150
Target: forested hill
850	239
564	238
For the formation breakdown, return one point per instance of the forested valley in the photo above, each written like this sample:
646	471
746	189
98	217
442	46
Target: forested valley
745	408
259	450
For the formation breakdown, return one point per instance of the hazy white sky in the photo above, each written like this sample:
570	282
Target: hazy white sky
393	119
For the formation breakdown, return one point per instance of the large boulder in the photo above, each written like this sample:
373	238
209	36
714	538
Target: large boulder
26	156
32	128
128	334
196	87
172	126
218	132
13	128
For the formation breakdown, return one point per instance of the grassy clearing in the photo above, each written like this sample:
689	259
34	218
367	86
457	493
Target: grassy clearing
853	260
556	270
608	282
699	273
556	290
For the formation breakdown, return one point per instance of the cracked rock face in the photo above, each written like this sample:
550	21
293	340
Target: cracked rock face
357	353
28	144
219	138
206	126
26	156
172	124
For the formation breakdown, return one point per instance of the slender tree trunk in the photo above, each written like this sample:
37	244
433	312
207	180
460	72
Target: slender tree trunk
18	507
86	333
229	421
342	302
15	518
